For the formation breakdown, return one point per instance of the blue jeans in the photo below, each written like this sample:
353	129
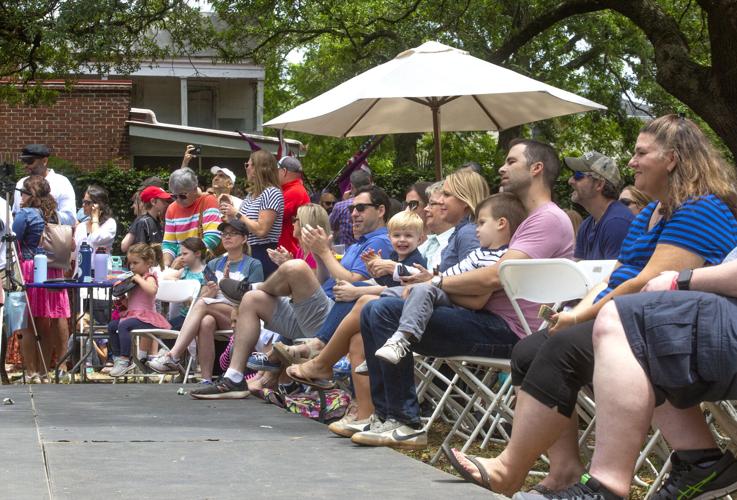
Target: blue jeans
450	332
336	315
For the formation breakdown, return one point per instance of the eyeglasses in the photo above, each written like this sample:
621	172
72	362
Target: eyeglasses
181	196
361	207
412	205
23	191
626	201
230	234
86	202
434	204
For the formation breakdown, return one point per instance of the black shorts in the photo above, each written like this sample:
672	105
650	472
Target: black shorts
685	341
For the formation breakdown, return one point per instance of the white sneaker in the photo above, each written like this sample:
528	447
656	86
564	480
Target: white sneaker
348	425
362	369
394	434
394	350
164	363
121	367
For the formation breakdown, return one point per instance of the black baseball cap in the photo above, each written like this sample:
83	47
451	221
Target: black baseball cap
33	151
239	226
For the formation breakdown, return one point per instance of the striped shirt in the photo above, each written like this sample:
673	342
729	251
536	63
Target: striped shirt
181	223
703	226
480	257
270	199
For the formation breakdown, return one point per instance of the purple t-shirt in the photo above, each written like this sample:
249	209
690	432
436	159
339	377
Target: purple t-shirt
547	233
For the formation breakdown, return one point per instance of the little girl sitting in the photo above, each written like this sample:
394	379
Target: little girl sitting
192	252
141	309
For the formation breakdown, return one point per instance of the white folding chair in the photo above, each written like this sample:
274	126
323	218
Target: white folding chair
596	271
171	291
543	281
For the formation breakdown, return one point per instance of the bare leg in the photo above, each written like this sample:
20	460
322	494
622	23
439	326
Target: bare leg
47	341
361	384
624	404
321	367
59	336
191	326
565	461
29	351
217	318
255	306
293	279
683	429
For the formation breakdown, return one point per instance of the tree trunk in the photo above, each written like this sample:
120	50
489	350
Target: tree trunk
405	149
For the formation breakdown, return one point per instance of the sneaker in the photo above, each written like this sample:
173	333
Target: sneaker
342	368
690	480
394	434
259	361
349	425
225	389
588	489
393	350
165	364
362	369
234	290
121	367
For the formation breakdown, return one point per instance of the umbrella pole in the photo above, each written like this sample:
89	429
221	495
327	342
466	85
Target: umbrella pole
435	107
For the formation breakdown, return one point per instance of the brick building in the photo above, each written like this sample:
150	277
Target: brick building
86	125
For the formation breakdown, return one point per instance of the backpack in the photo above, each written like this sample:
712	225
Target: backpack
307	404
58	243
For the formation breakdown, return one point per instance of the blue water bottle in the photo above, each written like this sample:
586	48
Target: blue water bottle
40	266
85	262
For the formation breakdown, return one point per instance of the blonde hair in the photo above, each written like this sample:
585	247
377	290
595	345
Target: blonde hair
314	215
700	169
469	187
148	253
640	198
265	172
405	219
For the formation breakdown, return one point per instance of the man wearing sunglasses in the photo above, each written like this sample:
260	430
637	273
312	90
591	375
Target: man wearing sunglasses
595	183
35	157
293	302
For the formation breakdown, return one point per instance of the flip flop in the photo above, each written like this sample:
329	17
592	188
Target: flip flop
485	480
322	384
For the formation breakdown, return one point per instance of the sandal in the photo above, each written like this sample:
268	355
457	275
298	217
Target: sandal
322	384
485	481
284	353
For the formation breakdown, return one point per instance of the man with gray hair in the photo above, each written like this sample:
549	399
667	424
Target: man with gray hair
340	217
192	215
596	182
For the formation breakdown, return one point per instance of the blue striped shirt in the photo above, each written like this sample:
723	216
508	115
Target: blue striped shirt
703	226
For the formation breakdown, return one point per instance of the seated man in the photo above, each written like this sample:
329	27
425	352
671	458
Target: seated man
293	301
663	352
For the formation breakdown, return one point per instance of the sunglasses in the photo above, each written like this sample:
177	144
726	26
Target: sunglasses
579	175
412	205
328	203
626	202
361	207
86	202
23	191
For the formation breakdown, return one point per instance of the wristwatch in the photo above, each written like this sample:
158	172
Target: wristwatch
437	281
684	279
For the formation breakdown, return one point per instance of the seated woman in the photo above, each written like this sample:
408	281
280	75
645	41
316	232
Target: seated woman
691	225
212	311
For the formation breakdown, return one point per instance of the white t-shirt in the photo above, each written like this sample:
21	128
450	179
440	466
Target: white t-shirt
62	191
103	237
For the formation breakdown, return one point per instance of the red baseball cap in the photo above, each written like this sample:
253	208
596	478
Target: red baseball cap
152	192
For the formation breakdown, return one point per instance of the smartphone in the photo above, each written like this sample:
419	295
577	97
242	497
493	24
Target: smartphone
197	151
403	271
546	312
209	275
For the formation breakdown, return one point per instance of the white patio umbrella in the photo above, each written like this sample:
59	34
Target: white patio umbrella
431	87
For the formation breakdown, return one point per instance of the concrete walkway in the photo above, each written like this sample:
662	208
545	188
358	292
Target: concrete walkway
145	441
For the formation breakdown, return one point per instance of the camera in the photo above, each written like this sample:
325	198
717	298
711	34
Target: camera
197	151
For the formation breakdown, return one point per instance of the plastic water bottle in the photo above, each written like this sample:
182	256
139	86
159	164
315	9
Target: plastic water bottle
40	266
100	264
85	262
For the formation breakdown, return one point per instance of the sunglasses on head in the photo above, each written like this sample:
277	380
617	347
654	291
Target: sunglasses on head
579	175
361	206
23	191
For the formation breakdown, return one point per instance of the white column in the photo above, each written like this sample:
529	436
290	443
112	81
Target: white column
183	112
259	105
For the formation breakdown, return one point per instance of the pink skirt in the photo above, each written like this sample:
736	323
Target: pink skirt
45	303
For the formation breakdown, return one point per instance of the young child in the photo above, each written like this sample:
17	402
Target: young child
147	226
497	218
141	308
192	252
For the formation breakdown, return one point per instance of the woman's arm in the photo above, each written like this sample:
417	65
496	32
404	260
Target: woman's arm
262	226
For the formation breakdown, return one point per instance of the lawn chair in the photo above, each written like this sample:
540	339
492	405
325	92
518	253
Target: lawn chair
596	271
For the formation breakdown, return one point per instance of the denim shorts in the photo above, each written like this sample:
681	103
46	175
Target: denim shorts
685	341
297	320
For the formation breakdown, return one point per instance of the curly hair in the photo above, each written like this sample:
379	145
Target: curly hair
40	196
700	169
